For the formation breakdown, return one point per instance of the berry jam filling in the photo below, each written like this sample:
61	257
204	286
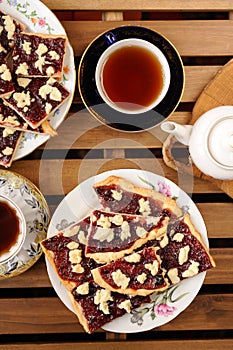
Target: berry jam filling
58	245
117	243
133	270
4	35
170	253
94	316
36	108
10	141
56	45
6	86
129	202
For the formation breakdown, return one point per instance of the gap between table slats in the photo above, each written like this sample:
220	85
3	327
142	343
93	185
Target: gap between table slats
202	344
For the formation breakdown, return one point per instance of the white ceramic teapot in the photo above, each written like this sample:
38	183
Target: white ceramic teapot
210	141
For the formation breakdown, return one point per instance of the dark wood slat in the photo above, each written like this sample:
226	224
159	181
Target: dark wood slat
18	315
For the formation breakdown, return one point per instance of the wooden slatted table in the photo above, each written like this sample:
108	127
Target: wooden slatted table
31	315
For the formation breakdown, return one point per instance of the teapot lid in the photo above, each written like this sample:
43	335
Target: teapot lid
220	142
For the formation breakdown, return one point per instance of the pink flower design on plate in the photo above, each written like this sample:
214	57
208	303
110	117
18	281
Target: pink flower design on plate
164	189
164	310
41	22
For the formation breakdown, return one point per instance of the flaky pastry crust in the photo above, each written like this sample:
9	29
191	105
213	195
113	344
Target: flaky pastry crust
165	202
50	256
196	234
106	257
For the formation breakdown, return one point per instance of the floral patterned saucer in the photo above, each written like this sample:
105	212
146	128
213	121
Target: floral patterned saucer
35	209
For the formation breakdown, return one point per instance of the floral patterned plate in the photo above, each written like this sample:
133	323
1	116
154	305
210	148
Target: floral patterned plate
166	305
38	18
34	207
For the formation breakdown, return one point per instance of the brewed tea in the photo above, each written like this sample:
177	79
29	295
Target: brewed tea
9	227
132	77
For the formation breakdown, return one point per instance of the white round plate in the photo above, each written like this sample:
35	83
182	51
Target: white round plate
36	212
38	18
166	305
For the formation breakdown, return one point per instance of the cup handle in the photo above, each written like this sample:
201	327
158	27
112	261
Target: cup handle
110	38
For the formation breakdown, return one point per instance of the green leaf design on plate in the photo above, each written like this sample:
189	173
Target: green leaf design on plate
161	305
147	182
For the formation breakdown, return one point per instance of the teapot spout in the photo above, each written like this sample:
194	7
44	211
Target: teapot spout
181	132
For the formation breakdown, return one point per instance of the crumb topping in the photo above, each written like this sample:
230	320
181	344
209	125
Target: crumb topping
75	256
133	258
173	275
101	298
72	245
142	278
27	47
22	69
183	254
23	99
153	268
116	195
9	26
5	72
126	305
71	231
192	270
83	289
178	237
120	279
7	151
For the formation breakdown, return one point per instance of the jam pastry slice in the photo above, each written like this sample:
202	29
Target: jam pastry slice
119	195
65	252
182	251
8	27
9	141
96	306
93	305
112	235
38	55
138	274
10	119
35	99
43	129
6	84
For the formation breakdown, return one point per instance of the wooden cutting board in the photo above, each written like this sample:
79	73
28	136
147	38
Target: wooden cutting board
218	92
